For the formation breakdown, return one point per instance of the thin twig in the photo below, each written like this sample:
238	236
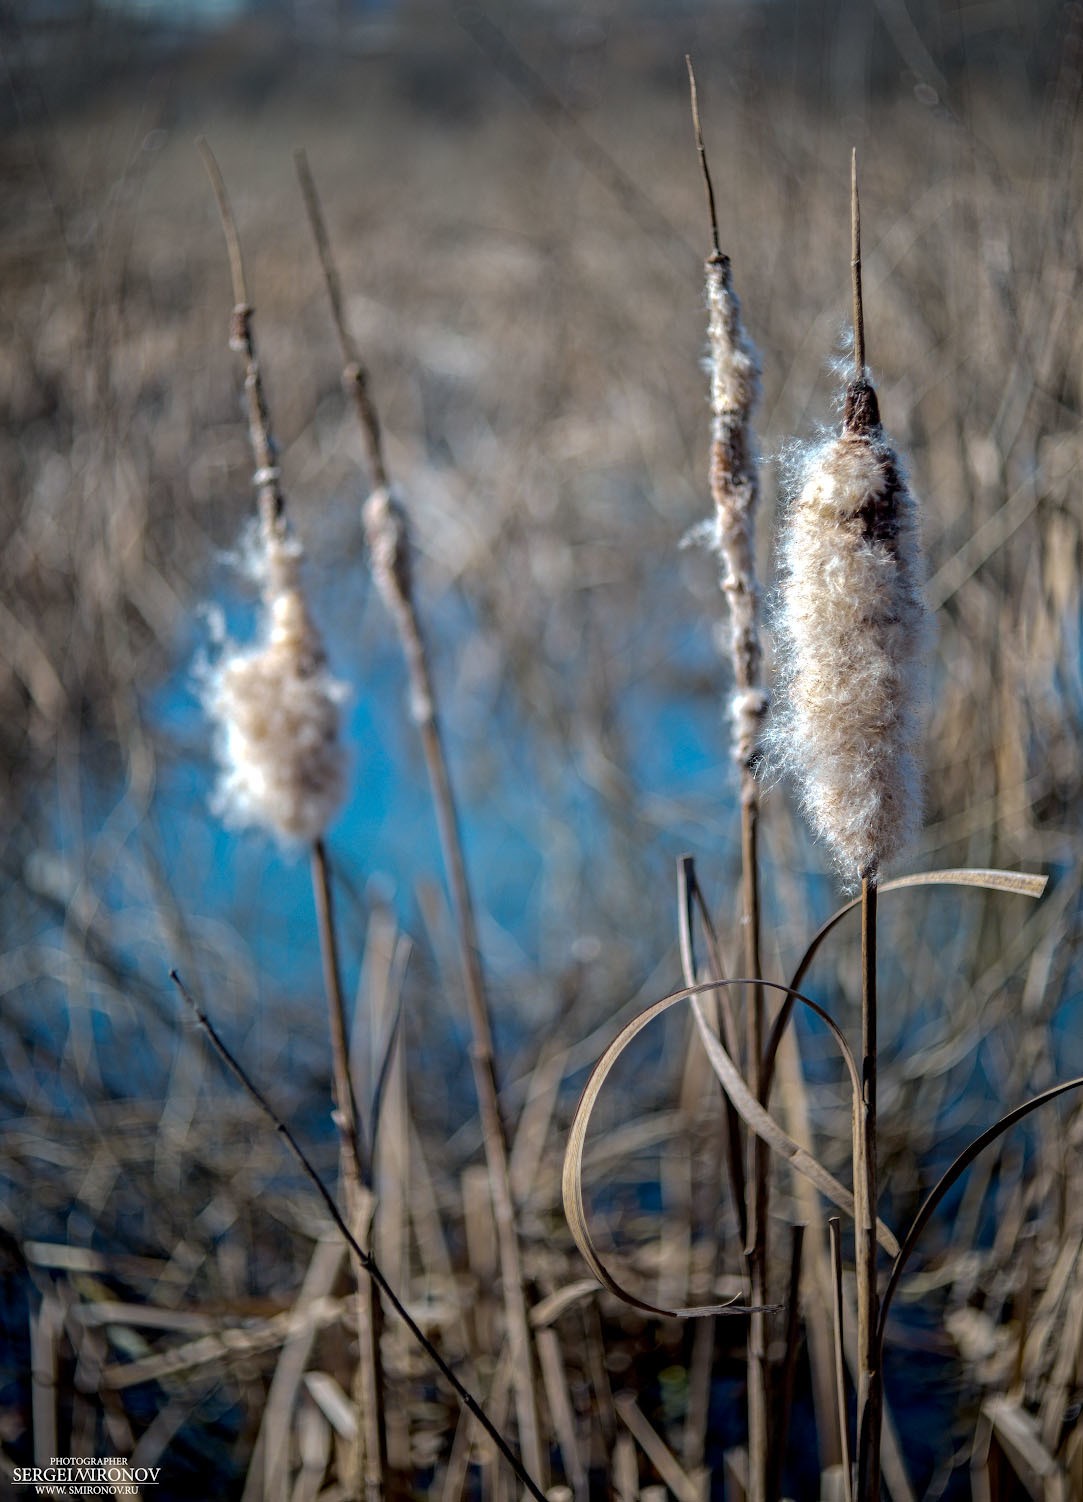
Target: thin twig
357	1183
366	1258
702	150
354	374
388	537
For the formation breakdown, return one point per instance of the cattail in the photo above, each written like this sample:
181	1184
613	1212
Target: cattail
855	628
387	533
276	710
735	389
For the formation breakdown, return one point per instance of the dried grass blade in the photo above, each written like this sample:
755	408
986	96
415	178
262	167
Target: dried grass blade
656	1450
751	1112
270	1461
690	899
625	1469
548	1310
559	1399
314	1446
339	1410
45	1330
1017	1434
1020	883
572	1178
528	1149
765	1126
951	1176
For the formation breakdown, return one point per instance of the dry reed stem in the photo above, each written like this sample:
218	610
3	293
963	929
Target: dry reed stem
788	1376
387	534
370	1457
869	1397
838	1310
734	483
870	1392
357	1185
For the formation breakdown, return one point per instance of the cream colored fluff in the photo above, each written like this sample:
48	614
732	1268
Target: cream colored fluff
855	631
276	710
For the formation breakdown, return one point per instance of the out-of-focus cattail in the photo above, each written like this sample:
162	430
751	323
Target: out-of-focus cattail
276	709
735	389
734	368
855	631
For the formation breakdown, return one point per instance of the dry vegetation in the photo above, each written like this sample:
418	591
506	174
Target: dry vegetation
527	298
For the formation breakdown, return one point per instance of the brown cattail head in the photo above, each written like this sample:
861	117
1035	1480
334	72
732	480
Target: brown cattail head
276	710
854	631
735	388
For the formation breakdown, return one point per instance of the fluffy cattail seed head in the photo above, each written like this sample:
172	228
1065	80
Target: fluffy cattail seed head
276	710
735	389
854	631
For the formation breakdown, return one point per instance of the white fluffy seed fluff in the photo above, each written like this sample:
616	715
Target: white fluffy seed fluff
276	710
735	388
854	631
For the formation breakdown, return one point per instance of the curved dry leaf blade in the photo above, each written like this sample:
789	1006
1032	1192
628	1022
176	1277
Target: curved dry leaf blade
768	1130
549	1309
572	1178
750	1110
1020	883
949	1179
690	899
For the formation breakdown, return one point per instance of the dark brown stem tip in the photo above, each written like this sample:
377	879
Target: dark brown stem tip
861	413
855	270
712	212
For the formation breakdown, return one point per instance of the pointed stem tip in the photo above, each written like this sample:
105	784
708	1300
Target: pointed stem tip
855	270
702	150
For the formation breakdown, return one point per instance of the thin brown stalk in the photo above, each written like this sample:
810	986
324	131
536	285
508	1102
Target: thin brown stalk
264	450
368	1481
838	1307
784	1406
870	1390
388	538
855	268
357	1187
733	490
869	1405
759	1396
354	375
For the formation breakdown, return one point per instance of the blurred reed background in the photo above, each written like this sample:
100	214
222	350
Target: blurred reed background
518	221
